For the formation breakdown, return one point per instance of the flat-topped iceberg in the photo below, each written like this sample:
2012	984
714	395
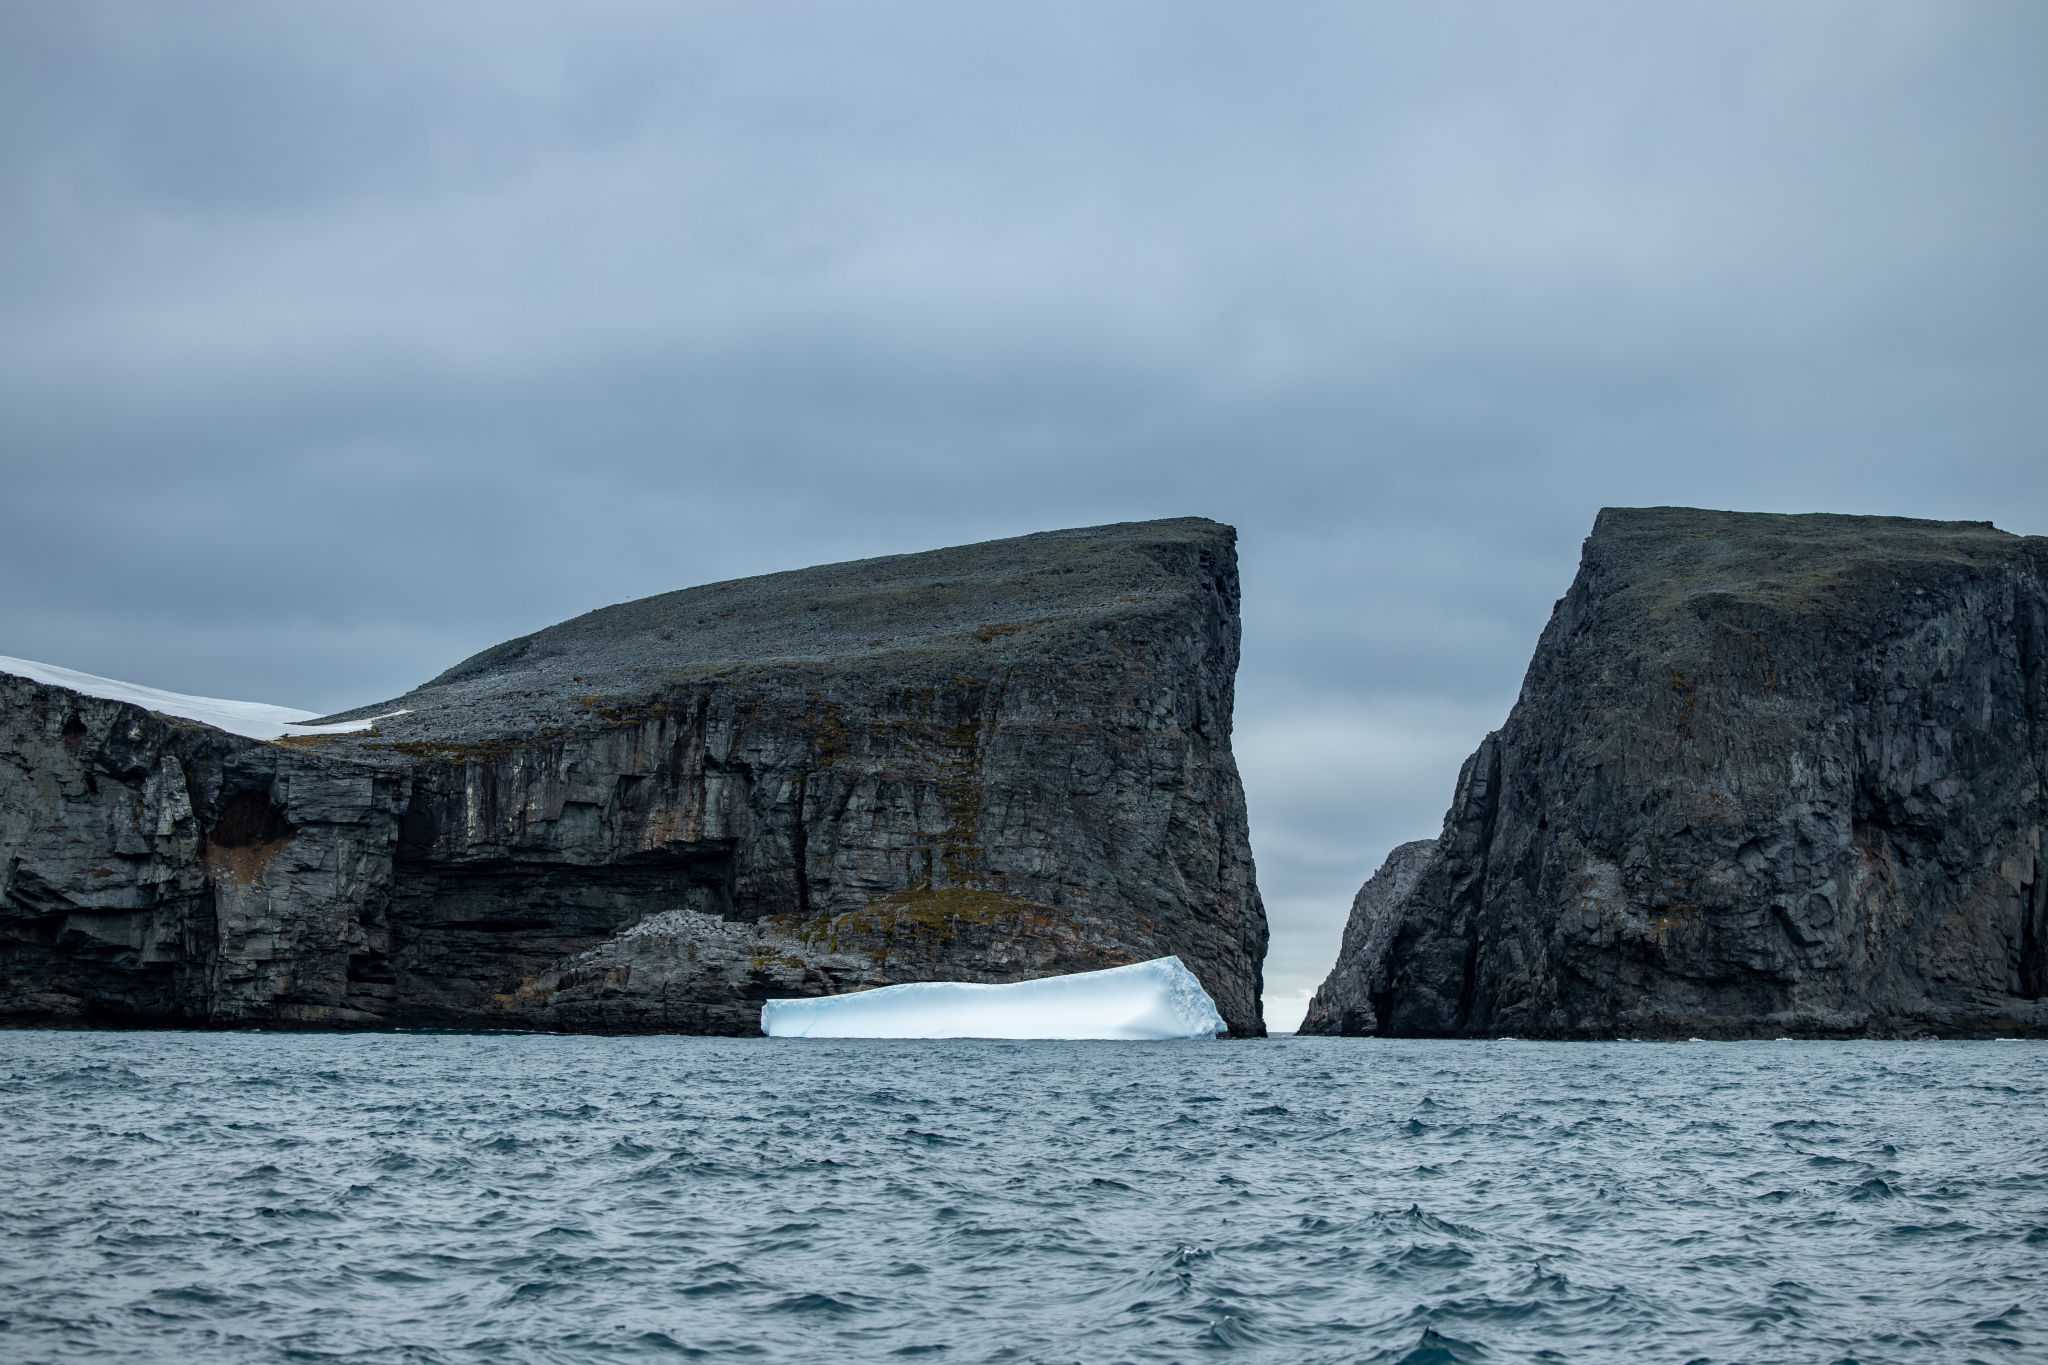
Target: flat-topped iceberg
1148	1000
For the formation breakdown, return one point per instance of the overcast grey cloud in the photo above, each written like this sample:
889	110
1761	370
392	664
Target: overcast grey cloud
338	341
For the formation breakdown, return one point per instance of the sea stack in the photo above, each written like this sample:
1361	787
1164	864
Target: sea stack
991	764
1767	776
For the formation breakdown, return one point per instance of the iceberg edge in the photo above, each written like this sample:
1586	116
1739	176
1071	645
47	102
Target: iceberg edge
1155	1001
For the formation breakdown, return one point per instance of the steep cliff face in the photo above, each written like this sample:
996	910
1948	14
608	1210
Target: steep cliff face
989	763
1767	775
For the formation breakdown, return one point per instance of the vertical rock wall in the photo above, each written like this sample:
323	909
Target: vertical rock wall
1767	775
153	871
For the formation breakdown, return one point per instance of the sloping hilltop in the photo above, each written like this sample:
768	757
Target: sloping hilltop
1768	775
990	763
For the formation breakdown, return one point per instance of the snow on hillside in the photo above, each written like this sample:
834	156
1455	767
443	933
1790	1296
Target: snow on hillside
251	718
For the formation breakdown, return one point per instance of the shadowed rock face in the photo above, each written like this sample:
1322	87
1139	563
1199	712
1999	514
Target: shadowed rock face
1767	775
988	763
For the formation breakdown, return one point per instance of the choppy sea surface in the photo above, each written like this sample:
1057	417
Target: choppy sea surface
463	1197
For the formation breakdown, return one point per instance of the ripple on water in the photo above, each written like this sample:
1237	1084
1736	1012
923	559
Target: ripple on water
392	1198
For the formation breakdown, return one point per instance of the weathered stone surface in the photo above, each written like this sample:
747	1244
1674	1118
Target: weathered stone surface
1768	775
159	871
987	763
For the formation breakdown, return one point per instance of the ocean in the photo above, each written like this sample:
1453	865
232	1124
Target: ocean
440	1197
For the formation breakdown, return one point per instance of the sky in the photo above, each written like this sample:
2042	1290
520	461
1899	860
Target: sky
339	341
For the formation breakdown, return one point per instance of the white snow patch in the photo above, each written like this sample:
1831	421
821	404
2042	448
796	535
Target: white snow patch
251	718
1159	999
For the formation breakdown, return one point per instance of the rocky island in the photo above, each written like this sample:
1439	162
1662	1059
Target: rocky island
992	763
1767	776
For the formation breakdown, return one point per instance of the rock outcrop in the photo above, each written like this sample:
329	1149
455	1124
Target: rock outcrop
1767	776
989	763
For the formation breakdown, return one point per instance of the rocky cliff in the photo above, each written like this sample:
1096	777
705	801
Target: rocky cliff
989	763
1768	775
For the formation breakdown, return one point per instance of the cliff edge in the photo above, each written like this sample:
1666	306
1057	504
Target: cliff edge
987	763
1767	776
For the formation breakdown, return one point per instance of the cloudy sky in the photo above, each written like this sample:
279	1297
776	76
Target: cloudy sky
338	340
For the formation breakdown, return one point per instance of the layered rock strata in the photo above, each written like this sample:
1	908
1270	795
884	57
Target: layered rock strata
1767	776
990	763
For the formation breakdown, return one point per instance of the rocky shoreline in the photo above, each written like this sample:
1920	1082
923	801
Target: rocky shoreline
985	764
1768	776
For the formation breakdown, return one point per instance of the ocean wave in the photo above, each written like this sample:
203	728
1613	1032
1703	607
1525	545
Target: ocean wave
461	1198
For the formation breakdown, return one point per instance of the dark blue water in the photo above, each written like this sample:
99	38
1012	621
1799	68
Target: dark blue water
517	1198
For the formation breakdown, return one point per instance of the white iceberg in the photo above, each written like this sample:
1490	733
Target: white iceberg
1159	999
253	719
